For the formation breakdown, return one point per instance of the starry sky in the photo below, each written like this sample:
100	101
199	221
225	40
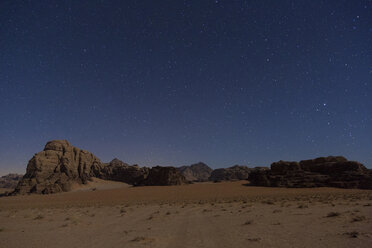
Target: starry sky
176	82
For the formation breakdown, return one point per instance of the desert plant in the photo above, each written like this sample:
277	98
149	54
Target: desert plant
248	222
303	206
269	202
353	234
254	239
138	239
39	217
333	214
358	218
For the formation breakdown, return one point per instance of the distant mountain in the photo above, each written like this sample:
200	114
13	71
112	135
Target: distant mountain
236	172
199	172
10	181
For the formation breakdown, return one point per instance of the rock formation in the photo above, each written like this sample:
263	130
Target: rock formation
57	167
161	176
320	172
236	172
60	165
10	181
199	172
117	170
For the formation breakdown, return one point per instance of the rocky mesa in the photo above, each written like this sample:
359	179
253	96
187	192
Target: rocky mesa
332	171
236	172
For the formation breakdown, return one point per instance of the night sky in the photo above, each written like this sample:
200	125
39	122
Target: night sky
176	82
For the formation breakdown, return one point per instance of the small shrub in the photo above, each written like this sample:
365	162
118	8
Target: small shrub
303	206
39	217
248	222
333	214
358	218
353	234
138	239
254	239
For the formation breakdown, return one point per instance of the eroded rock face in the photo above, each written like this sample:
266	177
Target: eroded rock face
320	172
117	170
60	165
163	176
237	172
57	167
199	172
10	181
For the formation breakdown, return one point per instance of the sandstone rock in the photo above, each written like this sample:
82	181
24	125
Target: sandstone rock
237	172
56	167
10	181
117	170
199	172
320	172
162	176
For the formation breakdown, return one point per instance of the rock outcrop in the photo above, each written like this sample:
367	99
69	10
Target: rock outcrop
60	165
117	170
57	167
199	172
320	172
10	181
236	172
162	176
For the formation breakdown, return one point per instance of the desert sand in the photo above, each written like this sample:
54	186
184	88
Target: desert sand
227	214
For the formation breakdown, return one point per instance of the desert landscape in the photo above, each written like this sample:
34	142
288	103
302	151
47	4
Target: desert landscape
185	124
226	214
68	198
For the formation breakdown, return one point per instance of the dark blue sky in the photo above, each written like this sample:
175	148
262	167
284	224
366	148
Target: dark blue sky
176	82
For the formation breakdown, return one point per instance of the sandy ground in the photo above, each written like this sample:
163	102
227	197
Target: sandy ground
200	215
5	190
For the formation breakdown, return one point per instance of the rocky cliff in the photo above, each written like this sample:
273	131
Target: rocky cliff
199	172
117	170
57	167
10	181
320	172
236	172
60	165
161	176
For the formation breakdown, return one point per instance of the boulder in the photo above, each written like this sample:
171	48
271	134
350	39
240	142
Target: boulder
57	167
320	172
199	172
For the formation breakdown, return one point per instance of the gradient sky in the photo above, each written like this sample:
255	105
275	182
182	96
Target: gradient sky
177	82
